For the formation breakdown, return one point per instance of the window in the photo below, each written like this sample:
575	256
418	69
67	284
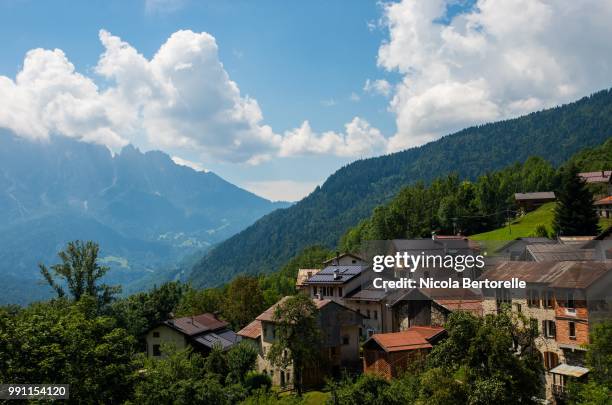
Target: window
314	291
551	360
156	351
548	299
572	329
375	314
570	300
333	351
518	307
345	340
533	298
368	313
156	334
339	291
549	329
359	311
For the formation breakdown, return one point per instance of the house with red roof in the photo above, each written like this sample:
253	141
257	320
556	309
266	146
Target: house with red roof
390	354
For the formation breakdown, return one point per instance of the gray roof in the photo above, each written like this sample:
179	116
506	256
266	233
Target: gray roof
540	195
542	252
225	338
336	274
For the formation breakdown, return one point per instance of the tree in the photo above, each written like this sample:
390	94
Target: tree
182	378
297	339
67	343
240	360
598	390
243	301
494	358
80	272
139	312
574	213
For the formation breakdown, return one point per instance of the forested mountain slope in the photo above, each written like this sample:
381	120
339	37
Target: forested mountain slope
350	194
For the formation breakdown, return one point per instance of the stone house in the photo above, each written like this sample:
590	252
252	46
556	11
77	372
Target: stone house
339	347
564	299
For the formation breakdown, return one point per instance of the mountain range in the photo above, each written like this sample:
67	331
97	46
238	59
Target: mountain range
148	214
350	194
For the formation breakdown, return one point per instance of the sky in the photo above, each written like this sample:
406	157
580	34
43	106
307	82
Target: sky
275	96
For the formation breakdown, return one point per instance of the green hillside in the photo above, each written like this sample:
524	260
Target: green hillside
523	226
351	194
526	225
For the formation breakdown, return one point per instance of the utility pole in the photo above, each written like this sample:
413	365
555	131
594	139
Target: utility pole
508	219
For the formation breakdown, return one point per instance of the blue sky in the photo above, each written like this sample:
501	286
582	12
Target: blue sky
440	66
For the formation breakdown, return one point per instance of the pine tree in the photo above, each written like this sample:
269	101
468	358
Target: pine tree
574	213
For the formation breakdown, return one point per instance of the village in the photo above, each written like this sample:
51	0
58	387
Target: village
563	290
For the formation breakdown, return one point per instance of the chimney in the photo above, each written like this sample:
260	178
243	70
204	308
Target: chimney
336	274
337	258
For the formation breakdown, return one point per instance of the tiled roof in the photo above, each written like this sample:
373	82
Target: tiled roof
539	195
194	325
604	201
268	314
415	337
336	274
252	330
542	252
554	274
602	176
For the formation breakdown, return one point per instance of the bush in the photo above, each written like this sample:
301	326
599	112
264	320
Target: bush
256	381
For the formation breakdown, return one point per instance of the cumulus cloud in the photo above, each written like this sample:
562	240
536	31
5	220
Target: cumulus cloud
502	58
379	86
358	139
182	100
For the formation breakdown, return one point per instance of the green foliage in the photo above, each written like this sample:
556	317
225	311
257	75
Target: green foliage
65	343
450	206
540	231
282	283
243	301
241	359
182	378
598	390
574	213
139	312
254	381
297	337
216	363
80	272
194	301
350	195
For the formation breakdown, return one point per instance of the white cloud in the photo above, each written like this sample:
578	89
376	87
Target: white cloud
330	102
354	97
380	86
188	163
181	101
358	139
281	190
501	59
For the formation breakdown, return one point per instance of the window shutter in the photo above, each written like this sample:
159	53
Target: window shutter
544	328
554	329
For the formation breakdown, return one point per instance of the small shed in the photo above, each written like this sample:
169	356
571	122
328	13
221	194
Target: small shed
389	354
530	201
